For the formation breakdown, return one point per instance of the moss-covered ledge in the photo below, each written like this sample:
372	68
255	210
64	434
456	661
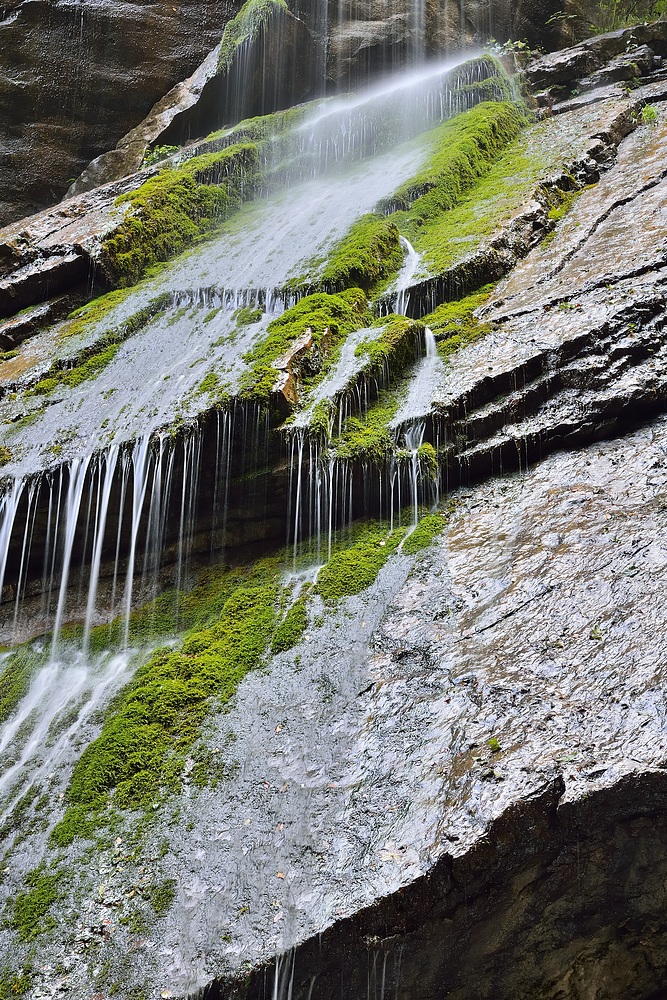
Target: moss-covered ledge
335	316
177	207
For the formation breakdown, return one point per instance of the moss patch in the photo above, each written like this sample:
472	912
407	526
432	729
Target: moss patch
14	984
174	209
394	350
367	438
163	896
501	190
30	909
464	149
356	568
292	627
454	324
145	739
428	528
339	314
15	678
246	26
369	253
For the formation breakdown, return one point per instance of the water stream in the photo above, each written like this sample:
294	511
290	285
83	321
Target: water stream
117	485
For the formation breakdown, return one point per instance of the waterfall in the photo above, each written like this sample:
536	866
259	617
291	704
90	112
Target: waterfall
119	508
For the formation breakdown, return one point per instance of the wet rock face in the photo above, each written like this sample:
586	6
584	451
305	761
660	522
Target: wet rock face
503	759
561	902
76	76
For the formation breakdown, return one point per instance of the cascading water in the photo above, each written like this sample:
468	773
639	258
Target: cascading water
129	481
406	278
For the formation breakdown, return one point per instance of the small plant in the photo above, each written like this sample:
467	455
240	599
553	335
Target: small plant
158	154
649	115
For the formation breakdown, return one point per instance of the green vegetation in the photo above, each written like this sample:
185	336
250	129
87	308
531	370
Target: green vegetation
455	325
394	350
368	254
355	568
230	620
144	741
5	455
265	126
16	676
89	362
564	202
429	527
339	314
210	383
368	438
247	315
292	627
178	206
464	149
504	182
246	26
649	115
86	316
163	896
157	154
610	15
14	984
30	909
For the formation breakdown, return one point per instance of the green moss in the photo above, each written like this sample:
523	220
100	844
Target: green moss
339	314
14	984
18	670
210	383
454	324
144	740
394	350
246	26
271	126
493	88
368	438
158	153
369	253
428	460
501	190
5	455
30	909
429	527
91	367
565	201
292	627
246	315
174	209
85	316
320	421
212	314
163	896
93	359
464	149
356	568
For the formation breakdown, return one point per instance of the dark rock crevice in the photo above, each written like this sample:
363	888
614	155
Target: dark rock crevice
559	898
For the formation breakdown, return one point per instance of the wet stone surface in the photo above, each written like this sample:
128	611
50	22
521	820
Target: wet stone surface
524	646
